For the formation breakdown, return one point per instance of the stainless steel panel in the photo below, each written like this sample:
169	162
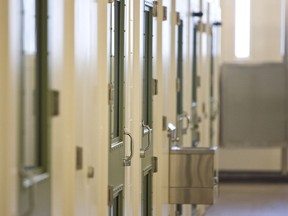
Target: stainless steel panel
204	196
192	167
192	177
253	105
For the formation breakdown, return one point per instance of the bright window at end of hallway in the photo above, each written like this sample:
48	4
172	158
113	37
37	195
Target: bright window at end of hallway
242	28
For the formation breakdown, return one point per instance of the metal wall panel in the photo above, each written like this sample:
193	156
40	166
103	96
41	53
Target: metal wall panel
253	105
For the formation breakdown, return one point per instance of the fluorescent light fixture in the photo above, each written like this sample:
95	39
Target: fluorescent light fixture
242	28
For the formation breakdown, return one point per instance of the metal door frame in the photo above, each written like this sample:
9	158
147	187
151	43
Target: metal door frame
116	94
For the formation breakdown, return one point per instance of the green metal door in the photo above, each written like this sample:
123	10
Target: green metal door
34	189
183	119
146	151
116	116
195	85
212	98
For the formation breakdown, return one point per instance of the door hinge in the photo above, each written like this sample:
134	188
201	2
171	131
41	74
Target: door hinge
55	101
198	81
178	85
79	158
155	164
111	93
164	11
155	86
178	20
110	195
164	123
155	8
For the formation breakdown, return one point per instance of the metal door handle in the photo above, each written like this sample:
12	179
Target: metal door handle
127	159
143	150
187	117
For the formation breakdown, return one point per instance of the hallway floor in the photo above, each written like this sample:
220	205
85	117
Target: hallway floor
251	200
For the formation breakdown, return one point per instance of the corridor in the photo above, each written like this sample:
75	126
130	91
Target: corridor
251	200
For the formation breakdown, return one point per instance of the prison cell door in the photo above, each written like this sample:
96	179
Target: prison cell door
146	151
117	159
183	119
195	86
211	86
213	97
34	189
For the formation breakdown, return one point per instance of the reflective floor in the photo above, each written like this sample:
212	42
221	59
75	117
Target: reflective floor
251	200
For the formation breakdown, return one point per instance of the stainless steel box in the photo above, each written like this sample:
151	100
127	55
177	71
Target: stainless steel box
193	177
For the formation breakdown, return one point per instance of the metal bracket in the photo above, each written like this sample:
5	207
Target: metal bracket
90	173
164	123
79	158
155	164
55	101
178	20
155	86
164	11
110	195
155	8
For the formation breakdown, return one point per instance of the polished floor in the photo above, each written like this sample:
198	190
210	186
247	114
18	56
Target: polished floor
251	200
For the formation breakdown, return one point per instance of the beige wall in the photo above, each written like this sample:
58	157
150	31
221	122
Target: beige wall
9	73
266	46
266	34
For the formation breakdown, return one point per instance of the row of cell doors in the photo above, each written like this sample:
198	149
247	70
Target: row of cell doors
39	105
117	159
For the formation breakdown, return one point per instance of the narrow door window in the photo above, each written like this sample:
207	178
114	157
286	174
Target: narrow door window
116	72
194	68
147	72
180	69
34	88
